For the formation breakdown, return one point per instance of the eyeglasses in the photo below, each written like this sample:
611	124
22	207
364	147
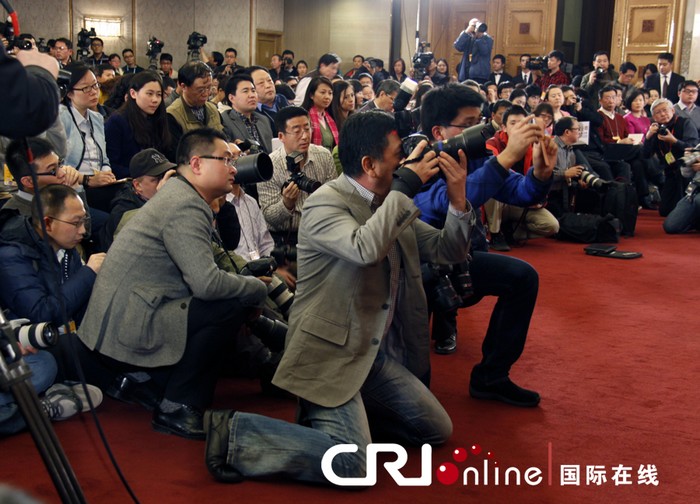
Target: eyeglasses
53	171
228	161
83	221
297	132
88	89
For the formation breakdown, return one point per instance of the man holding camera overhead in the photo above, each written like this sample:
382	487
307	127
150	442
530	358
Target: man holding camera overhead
299	167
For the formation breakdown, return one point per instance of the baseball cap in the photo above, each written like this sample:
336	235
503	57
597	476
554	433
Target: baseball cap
149	162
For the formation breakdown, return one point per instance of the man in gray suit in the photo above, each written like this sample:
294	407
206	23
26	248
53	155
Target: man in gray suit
358	342
160	303
243	121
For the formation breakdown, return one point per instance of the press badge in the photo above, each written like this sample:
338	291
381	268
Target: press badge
669	158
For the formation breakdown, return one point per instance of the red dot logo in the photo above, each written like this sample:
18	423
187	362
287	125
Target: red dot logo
447	473
459	454
475	449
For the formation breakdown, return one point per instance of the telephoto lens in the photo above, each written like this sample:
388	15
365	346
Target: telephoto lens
37	336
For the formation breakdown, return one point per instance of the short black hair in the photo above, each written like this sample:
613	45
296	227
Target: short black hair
328	59
359	56
198	142
441	105
363	135
505	85
563	124
388	86
526	54
627	66
17	160
98	39
232	84
286	114
517	93
607	89
100	69
499	57
52	199
231	49
217	57
128	49
166	57
66	41
667	56
191	71
556	54
288	51
602	53
687	83
514	110
113	55
533	90
499	105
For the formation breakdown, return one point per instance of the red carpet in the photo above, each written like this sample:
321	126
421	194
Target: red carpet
613	350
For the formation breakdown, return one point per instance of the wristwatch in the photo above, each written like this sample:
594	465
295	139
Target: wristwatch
86	181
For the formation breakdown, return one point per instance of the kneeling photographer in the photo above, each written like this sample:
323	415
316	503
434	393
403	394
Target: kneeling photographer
299	168
445	114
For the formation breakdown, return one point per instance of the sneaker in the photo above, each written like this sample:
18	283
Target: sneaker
60	402
499	243
94	392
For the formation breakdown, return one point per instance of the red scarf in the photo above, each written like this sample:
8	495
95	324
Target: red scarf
316	137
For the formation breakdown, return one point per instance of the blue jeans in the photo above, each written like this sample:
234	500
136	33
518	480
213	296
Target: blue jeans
684	217
44	369
392	399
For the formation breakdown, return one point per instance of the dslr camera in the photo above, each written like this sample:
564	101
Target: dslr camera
662	131
303	182
471	140
447	286
277	291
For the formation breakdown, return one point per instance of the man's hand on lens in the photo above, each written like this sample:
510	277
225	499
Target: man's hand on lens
455	178
290	195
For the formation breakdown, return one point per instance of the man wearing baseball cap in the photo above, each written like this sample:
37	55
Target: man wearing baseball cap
150	170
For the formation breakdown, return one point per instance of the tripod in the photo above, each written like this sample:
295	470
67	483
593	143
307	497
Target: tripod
14	377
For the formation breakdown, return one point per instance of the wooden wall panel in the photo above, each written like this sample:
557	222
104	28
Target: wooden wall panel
644	28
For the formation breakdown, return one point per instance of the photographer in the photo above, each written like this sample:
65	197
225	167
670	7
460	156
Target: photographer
444	114
668	137
475	45
686	215
280	198
601	76
29	101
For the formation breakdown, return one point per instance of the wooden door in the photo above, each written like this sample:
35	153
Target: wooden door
266	44
644	28
517	26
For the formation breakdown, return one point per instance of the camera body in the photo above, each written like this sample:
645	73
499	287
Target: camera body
303	182
663	130
277	290
691	157
471	140
195	41
288	61
421	60
155	46
447	286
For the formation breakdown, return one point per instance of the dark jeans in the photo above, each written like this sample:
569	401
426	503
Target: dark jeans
515	283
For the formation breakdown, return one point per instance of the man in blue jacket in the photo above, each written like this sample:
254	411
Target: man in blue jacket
445	113
475	45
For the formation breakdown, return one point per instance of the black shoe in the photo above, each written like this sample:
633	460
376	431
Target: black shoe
185	421
126	390
505	391
216	425
446	346
499	243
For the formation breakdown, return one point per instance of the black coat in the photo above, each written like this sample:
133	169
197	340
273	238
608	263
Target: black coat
654	82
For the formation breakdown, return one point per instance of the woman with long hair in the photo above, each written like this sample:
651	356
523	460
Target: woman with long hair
359	97
398	70
343	103
317	100
86	149
141	122
443	67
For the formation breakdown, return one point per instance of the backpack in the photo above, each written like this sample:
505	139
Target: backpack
620	200
588	228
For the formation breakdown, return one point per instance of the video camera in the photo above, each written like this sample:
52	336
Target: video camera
194	43
85	37
538	63
303	182
421	60
155	46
